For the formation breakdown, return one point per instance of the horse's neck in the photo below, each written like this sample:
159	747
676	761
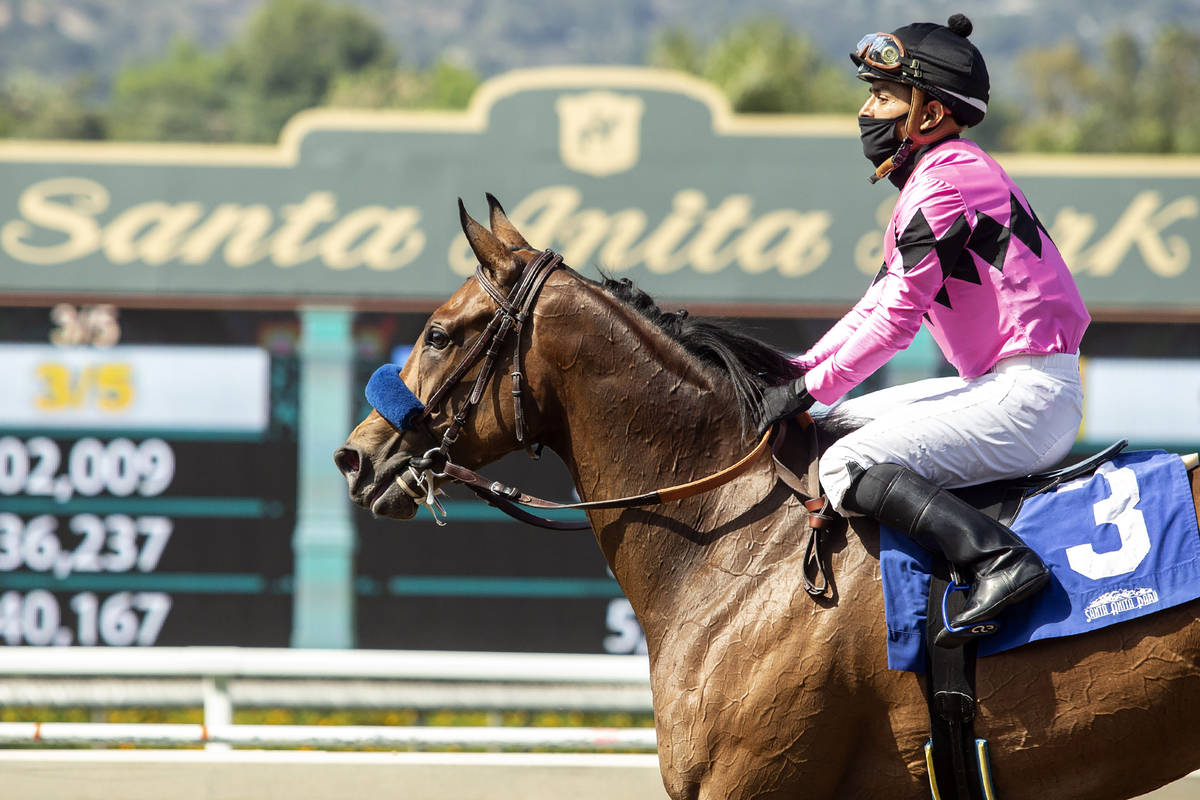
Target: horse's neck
640	414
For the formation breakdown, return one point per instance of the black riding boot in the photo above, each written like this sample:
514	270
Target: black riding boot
1003	570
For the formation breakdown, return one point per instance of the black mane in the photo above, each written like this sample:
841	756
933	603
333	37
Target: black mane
751	365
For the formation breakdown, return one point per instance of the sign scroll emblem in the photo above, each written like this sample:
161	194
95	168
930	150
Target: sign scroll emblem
599	133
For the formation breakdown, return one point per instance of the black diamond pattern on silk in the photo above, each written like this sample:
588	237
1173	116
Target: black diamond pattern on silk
879	275
918	241
956	262
989	240
1023	226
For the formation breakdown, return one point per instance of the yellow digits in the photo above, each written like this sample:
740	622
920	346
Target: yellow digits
109	386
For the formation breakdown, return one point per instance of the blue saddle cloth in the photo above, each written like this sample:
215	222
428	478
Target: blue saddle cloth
1120	544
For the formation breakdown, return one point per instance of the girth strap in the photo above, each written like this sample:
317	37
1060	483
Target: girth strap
950	694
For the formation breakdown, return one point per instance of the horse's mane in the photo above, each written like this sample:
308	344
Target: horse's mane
750	364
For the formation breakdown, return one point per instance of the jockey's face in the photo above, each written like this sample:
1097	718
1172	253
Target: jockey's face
887	100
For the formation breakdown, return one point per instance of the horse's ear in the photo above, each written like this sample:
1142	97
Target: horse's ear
497	259
503	228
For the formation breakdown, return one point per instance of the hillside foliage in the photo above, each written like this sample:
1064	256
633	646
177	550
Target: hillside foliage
1132	95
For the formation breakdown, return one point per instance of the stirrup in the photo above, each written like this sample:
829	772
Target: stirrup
985	628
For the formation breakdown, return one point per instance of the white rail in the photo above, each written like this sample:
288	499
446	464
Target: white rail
251	662
322	693
360	736
220	678
223	678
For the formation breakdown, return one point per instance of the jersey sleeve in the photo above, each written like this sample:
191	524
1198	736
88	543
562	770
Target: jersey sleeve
930	229
842	330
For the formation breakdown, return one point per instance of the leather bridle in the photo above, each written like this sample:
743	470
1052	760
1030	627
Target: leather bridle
511	314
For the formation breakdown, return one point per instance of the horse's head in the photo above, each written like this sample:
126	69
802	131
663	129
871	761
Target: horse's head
460	371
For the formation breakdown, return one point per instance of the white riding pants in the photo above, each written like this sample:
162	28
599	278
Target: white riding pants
1020	417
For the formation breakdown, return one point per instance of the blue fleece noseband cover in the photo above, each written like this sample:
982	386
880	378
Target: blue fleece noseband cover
389	395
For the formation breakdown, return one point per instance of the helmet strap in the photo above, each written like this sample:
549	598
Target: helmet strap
912	136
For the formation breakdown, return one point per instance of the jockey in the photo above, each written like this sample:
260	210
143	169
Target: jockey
964	252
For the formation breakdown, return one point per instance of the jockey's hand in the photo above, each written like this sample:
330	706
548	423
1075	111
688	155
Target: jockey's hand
781	402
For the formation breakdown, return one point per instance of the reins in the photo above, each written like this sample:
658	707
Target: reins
511	314
509	498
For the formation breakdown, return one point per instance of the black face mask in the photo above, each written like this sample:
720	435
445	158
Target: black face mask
878	138
880	143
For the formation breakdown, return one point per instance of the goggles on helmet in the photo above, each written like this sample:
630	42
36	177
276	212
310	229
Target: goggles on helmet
883	51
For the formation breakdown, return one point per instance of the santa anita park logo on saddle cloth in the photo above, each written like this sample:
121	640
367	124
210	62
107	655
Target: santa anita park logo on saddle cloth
1143	556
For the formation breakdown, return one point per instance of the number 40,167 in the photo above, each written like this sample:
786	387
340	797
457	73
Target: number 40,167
119	620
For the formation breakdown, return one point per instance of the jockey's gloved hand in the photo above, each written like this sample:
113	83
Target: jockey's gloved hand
781	402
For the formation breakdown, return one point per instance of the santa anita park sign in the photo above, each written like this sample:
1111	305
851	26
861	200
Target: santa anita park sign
645	174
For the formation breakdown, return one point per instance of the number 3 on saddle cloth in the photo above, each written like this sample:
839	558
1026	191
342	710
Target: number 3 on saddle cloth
1120	544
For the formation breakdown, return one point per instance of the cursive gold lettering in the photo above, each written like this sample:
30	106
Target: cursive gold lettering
396	240
705	250
661	251
65	205
1142	224
1070	232
149	232
790	241
242	228
690	235
542	214
618	252
581	234
289	246
868	250
375	230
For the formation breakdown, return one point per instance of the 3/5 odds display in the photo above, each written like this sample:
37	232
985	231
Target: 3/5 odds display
145	497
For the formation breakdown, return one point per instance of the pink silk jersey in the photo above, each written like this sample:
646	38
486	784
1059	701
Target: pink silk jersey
965	253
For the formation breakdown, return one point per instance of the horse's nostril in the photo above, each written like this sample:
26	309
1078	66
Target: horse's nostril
347	460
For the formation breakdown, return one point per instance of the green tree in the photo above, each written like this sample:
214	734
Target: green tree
183	97
32	108
678	49
1129	101
445	85
763	66
291	55
1170	92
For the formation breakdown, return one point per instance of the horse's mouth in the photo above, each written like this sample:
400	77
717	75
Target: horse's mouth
389	499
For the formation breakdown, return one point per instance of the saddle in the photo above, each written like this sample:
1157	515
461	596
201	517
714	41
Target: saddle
958	764
1002	500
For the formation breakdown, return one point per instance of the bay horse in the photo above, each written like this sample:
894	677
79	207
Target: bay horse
759	690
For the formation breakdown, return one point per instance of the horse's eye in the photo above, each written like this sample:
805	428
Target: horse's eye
437	339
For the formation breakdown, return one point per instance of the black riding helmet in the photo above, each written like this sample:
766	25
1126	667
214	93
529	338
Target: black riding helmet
937	59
